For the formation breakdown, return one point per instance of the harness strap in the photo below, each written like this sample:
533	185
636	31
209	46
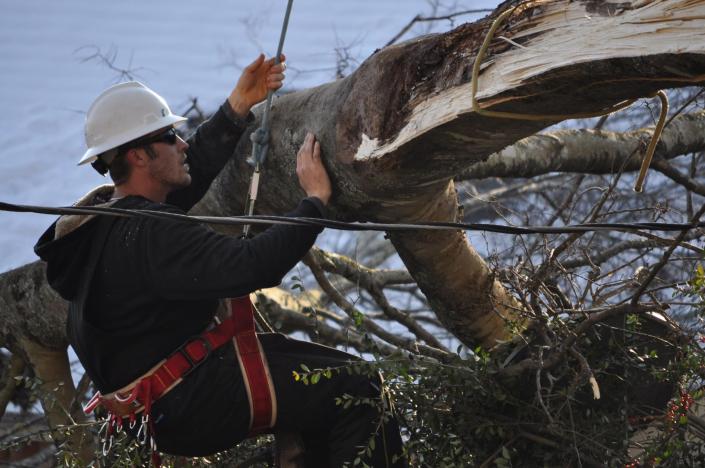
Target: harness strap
254	367
239	327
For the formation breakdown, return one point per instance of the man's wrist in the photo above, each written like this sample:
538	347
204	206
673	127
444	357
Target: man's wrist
320	207
238	106
324	199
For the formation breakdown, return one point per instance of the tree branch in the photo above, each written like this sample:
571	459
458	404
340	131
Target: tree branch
675	175
666	256
590	151
357	316
606	254
373	282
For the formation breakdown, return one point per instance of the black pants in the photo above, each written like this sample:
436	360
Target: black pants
209	411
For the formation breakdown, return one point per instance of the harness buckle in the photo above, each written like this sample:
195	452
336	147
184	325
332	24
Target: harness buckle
184	352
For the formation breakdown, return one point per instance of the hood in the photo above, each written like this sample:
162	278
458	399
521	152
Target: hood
65	246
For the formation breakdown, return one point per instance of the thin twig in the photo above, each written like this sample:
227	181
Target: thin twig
666	256
81	390
538	387
366	278
404	343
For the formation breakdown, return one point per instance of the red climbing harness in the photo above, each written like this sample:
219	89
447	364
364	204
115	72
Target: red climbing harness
138	396
254	367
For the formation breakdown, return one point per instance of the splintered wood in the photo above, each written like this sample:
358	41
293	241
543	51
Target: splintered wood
555	35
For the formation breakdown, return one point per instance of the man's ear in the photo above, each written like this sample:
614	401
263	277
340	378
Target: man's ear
137	157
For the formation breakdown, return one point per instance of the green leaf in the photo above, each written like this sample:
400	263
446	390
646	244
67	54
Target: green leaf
357	318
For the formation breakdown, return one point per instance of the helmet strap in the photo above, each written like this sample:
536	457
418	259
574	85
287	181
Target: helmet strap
100	166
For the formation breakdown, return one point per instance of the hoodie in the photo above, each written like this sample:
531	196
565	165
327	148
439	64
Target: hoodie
138	288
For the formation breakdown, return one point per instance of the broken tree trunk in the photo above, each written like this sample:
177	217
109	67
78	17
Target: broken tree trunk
398	129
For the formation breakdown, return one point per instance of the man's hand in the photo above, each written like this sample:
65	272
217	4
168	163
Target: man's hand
256	80
313	177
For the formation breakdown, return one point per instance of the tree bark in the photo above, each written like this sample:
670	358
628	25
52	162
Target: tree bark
398	129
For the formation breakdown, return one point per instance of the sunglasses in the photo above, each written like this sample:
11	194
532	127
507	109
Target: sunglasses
168	136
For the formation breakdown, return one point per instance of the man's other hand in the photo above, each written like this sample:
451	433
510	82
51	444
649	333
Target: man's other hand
256	80
313	177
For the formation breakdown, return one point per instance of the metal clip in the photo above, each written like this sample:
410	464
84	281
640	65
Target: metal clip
110	445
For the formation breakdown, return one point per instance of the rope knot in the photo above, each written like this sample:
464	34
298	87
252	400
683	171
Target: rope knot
260	136
260	144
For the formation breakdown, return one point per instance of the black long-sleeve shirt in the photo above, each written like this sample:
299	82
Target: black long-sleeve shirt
158	282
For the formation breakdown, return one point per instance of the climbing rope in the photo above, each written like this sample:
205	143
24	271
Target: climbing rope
648	156
260	137
352	226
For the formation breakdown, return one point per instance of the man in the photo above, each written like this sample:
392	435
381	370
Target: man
141	288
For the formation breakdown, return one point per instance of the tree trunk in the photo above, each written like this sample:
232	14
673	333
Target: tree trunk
33	321
398	129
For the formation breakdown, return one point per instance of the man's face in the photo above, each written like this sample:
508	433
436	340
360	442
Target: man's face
169	167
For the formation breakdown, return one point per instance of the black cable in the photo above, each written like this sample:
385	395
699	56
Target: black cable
351	226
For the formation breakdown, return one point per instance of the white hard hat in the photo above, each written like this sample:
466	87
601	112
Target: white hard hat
123	113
